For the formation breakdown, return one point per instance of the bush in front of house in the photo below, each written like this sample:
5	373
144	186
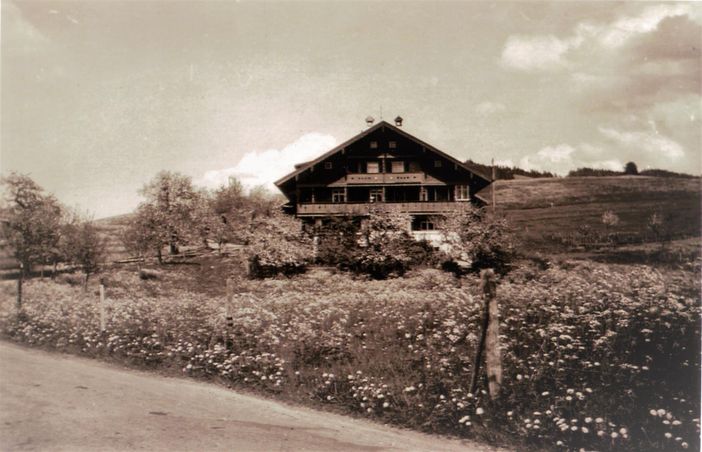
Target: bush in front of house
474	240
278	246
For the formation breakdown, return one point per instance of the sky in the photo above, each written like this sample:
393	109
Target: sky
98	97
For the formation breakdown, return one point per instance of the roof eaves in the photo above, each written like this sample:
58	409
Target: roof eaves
329	153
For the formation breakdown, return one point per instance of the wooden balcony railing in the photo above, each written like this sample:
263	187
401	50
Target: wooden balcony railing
385	178
362	208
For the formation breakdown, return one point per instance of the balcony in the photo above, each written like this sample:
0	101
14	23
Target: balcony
363	208
385	178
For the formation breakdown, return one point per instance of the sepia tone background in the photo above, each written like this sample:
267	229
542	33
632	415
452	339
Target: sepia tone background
99	96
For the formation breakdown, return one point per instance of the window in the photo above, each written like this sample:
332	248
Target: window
328	165
376	195
437	163
392	144
426	225
423	194
338	195
462	193
398	167
372	167
374	145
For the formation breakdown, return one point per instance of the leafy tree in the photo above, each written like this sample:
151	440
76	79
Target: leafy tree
338	241
278	245
609	220
32	221
384	245
631	169
171	201
146	233
473	239
83	246
229	213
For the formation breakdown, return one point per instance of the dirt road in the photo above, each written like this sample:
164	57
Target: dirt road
58	402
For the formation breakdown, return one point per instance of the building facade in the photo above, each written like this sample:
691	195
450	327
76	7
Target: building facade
382	168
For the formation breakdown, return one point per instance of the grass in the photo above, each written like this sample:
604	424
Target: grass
547	212
587	345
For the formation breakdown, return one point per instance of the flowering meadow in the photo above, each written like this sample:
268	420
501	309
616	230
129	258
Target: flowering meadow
595	357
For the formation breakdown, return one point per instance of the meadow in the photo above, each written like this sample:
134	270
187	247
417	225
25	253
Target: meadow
596	356
557	214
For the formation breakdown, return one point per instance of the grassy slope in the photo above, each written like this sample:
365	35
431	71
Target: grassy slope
540	208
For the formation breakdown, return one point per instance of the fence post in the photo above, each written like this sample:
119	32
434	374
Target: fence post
19	287
489	337
102	307
228	316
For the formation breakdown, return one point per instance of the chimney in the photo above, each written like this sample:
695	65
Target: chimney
398	121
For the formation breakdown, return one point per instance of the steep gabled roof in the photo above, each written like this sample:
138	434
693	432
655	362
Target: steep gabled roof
305	166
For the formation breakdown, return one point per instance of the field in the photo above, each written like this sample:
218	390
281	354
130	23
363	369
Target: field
545	213
599	356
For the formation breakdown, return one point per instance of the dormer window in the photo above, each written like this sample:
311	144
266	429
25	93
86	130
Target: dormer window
374	145
392	144
328	165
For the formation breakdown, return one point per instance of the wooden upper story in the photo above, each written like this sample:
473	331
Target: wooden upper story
382	165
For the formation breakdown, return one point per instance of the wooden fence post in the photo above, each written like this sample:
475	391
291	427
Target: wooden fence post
489	337
19	287
228	316
102	308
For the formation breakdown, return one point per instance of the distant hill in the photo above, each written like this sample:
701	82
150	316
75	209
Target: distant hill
544	211
506	172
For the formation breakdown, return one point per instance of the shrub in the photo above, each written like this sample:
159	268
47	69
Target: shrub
278	245
146	274
474	240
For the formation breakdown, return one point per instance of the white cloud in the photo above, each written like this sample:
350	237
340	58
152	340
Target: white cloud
620	31
19	34
650	141
547	52
488	108
530	53
562	158
505	162
265	167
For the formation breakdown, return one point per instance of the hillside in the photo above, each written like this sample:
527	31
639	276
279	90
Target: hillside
544	211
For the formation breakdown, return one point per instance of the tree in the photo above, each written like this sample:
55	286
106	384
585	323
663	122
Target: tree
473	239
145	233
83	246
32	221
384	245
278	245
631	169
609	220
170	204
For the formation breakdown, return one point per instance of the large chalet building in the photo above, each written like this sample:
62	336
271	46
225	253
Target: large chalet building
381	168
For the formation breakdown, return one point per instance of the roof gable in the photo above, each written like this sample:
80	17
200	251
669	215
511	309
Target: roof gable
301	168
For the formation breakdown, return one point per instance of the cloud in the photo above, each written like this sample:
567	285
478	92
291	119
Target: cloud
19	35
265	167
531	53
650	141
620	31
562	158
506	162
488	108
549	52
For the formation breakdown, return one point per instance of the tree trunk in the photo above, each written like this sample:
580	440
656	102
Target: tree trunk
159	256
